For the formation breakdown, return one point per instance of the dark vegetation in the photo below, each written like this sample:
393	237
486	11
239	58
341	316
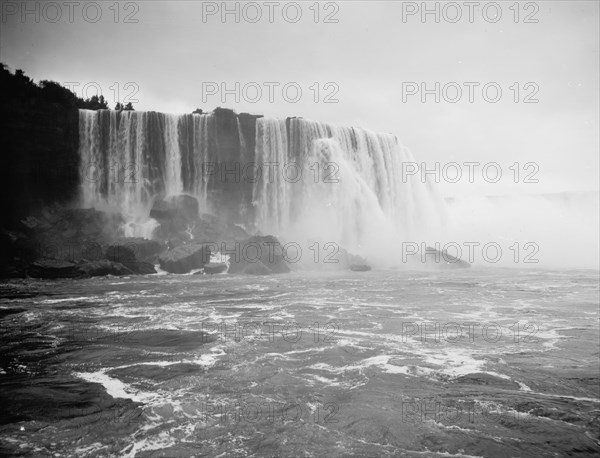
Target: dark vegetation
39	137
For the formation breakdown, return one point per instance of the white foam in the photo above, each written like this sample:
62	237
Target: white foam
114	387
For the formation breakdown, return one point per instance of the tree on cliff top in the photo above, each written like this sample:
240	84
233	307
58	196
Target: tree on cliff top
95	102
20	86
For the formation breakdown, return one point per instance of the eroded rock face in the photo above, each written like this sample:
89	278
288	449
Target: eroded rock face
184	258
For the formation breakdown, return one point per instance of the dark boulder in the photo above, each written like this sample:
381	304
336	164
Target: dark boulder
143	268
211	229
215	268
135	253
177	216
185	258
183	206
56	268
265	250
104	267
53	268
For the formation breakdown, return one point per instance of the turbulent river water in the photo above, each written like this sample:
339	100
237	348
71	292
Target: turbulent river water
477	362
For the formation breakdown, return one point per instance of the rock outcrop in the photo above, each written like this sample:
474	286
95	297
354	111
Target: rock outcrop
215	268
260	251
185	258
56	268
105	267
137	254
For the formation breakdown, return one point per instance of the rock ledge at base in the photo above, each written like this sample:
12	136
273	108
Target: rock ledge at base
184	258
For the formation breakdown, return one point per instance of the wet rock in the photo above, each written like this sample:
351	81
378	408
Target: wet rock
135	253
175	206
53	268
264	249
144	268
215	268
56	268
261	250
185	258
105	267
177	216
211	229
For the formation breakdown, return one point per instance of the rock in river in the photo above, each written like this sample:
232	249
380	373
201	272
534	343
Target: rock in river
184	258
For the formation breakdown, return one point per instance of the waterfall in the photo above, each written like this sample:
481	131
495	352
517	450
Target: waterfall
271	191
172	179
203	124
307	179
352	191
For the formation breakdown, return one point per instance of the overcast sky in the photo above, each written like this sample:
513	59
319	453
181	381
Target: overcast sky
368	55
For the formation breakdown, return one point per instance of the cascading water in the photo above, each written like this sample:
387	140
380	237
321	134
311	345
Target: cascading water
271	191
131	157
352	191
172	179
310	180
202	125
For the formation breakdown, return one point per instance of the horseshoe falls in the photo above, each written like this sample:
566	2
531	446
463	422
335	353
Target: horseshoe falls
297	179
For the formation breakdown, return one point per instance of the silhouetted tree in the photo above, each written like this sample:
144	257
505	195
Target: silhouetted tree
118	106
94	103
21	77
56	92
19	85
129	107
103	103
197	111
